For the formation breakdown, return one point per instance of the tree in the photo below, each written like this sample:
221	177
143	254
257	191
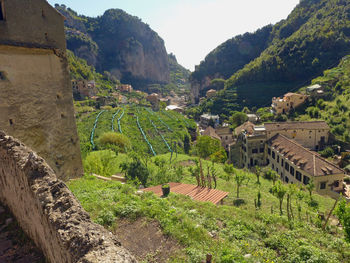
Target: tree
258	173
280	191
206	146
100	162
237	118
310	187
343	213
135	169
240	178
291	191
187	145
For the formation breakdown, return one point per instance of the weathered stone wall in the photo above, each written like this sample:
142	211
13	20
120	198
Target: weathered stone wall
32	23
36	106
49	213
36	100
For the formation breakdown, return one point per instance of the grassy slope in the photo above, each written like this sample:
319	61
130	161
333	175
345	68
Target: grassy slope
237	230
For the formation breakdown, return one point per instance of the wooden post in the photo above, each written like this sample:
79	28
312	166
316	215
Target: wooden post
209	258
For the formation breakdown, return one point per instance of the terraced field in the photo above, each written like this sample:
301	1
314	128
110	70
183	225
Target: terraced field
157	132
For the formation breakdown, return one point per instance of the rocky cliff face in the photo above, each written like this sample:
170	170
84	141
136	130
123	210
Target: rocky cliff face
119	43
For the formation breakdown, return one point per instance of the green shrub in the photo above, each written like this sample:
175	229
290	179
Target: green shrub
101	163
110	139
326	153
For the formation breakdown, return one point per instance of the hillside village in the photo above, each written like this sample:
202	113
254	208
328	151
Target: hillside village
99	166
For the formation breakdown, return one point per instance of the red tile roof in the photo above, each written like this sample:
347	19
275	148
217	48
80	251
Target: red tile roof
308	161
197	193
210	131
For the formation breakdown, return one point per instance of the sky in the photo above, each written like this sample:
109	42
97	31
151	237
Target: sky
193	28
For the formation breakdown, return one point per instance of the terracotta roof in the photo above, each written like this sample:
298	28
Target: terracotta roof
203	194
310	125
247	126
308	161
210	131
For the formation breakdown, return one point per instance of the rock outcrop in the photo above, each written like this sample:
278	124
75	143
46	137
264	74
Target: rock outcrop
119	43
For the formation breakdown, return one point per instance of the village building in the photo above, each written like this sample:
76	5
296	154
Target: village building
174	108
36	102
253	118
206	119
165	100
226	137
315	91
311	134
211	93
83	89
210	131
298	165
154	100
289	102
252	148
124	88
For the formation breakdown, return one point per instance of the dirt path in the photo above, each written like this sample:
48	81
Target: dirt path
145	240
15	246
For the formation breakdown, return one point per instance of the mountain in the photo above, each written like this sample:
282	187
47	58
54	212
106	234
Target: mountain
314	37
120	44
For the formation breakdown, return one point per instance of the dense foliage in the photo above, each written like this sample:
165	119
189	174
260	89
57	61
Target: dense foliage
314	37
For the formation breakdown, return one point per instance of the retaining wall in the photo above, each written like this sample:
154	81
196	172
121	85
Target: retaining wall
49	213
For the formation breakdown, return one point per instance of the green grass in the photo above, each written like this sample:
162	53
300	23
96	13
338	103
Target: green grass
226	231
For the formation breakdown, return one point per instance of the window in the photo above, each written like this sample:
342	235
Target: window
273	155
278	158
291	171
323	185
2	14
261	150
273	167
282	162
269	151
286	166
276	169
2	74
306	180
298	176
255	151
336	183
286	179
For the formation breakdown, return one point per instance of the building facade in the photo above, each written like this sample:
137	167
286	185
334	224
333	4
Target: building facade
296	164
311	134
36	102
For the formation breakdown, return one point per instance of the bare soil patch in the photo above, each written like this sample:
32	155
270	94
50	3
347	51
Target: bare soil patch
146	241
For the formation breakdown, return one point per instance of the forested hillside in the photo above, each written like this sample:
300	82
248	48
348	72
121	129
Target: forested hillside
314	37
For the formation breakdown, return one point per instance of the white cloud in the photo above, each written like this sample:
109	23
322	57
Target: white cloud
192	29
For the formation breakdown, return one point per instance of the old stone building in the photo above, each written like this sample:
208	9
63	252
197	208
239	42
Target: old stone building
288	102
298	165
286	148
36	103
311	134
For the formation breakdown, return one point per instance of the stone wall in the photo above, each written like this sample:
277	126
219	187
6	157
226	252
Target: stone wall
49	213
